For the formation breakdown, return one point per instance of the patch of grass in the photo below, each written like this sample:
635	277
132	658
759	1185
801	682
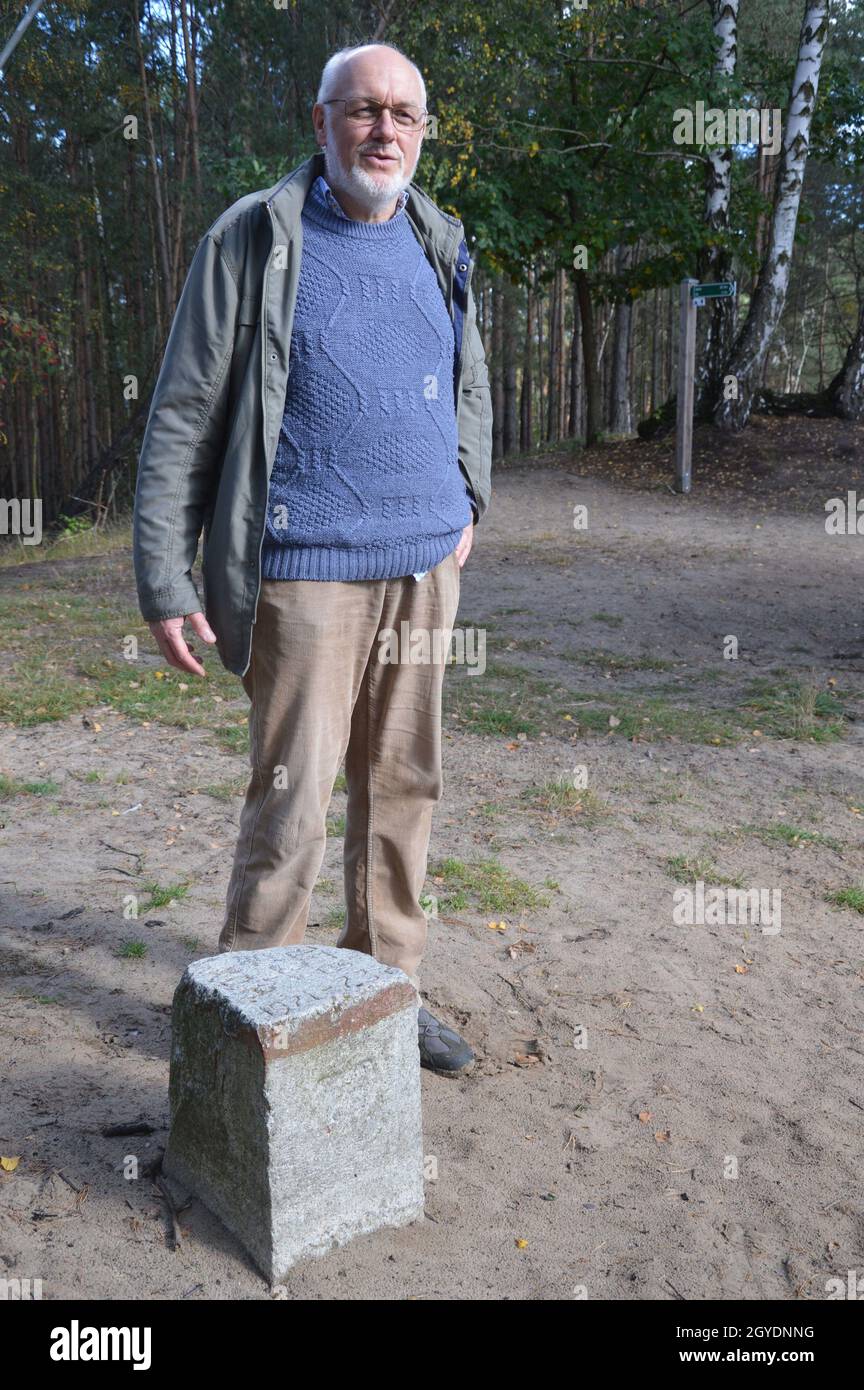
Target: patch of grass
39	691
225	791
848	897
611	619
335	919
233	738
652	718
504	701
336	826
799	710
94	776
132	950
161	897
340	784
190	943
685	869
488	883
38	696
493	714
792	835
560	797
10	787
72	544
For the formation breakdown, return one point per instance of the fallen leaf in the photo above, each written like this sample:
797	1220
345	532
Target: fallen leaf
521	1244
525	1059
644	1116
742	970
521	948
9	1164
662	1136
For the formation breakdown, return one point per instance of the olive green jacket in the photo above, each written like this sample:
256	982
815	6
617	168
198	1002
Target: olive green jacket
217	407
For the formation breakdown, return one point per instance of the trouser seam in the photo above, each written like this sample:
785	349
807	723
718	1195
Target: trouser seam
370	765
256	764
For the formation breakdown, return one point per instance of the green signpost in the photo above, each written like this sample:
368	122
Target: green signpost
693	296
717	289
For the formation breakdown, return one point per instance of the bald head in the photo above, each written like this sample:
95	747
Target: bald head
352	66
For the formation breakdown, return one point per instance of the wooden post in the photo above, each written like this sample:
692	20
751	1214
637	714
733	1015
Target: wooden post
686	366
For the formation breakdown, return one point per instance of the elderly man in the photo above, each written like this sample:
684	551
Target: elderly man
323	415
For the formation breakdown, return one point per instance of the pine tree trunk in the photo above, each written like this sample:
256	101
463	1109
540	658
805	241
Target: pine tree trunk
552	369
510	442
593	402
847	389
497	369
526	413
576	371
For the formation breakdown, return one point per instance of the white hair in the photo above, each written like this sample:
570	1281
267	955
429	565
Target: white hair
334	64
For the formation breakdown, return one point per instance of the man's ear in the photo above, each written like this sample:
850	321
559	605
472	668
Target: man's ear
318	124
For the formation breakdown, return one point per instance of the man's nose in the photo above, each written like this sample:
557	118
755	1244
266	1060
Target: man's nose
384	128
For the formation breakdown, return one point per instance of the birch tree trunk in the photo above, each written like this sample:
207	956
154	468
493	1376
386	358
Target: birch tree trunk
714	322
751	346
620	421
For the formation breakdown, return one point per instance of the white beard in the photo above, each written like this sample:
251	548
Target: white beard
370	191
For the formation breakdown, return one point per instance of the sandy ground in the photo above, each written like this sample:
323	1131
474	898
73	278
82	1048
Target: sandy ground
559	1167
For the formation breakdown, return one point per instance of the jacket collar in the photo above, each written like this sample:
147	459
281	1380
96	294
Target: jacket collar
286	198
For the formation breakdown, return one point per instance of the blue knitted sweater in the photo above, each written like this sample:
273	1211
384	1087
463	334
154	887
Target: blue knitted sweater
366	482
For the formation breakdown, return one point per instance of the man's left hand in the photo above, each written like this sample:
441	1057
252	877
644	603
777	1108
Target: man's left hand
466	540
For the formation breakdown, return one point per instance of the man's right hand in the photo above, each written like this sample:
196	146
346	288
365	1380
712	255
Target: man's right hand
168	633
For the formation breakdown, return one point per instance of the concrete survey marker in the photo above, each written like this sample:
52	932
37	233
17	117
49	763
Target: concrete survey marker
295	1098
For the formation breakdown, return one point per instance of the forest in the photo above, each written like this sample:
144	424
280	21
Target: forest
597	153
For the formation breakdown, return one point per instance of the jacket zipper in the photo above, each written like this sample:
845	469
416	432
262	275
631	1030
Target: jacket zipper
464	335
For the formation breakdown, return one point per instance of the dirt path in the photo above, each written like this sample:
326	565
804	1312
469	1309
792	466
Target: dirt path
710	1049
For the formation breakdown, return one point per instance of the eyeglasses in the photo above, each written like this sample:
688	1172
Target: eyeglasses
363	112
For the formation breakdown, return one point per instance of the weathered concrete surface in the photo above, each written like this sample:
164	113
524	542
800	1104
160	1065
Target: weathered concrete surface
295	1098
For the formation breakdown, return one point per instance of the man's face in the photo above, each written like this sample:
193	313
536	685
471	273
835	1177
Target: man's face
371	163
